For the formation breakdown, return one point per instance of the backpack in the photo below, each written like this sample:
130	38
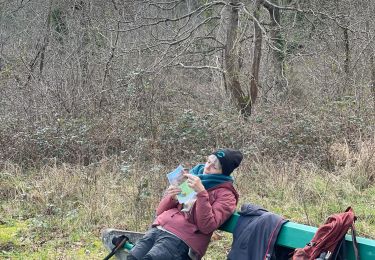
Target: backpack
329	238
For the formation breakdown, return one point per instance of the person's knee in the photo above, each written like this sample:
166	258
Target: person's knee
166	252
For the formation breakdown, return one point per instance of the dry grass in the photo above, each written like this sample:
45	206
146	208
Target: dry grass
58	201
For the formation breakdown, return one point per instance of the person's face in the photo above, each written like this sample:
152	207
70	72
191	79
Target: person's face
212	166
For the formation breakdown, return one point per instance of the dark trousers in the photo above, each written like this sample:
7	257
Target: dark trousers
157	244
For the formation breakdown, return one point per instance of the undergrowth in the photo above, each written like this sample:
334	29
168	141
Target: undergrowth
58	211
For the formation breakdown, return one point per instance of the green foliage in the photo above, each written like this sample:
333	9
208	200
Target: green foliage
6	71
10	230
280	44
176	137
58	21
99	38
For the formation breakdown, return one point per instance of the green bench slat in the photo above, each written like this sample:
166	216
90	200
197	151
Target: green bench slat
294	235
230	224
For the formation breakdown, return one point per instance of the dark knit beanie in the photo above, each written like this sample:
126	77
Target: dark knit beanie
229	159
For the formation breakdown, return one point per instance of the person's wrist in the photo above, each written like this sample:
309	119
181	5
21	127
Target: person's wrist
200	189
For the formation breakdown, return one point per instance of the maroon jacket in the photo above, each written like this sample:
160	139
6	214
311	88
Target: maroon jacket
211	209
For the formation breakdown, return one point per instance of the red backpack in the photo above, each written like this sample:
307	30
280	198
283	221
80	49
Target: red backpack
328	237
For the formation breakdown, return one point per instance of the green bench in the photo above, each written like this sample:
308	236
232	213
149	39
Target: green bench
293	235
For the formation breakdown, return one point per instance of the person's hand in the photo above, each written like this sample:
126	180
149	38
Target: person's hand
194	182
173	191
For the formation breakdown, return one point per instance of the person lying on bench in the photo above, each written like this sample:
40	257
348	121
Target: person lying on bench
183	231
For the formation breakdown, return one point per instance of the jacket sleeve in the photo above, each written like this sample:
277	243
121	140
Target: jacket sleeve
166	203
210	217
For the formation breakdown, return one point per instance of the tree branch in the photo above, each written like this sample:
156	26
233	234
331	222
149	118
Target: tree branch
163	20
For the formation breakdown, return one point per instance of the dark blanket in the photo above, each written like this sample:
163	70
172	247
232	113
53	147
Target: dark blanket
255	234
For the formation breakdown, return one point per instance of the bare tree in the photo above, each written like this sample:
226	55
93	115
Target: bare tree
372	84
257	53
242	101
276	44
82	56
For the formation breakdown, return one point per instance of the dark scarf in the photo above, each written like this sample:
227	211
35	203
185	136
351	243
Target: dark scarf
210	180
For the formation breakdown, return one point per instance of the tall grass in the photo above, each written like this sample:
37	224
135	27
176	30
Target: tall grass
60	202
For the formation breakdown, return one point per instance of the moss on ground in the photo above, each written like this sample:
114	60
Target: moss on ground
16	242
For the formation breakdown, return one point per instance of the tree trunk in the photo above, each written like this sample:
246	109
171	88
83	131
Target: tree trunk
46	38
344	88
346	62
84	22
372	84
372	64
257	53
278	45
231	62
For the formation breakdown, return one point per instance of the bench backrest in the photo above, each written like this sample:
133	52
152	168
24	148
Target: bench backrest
293	235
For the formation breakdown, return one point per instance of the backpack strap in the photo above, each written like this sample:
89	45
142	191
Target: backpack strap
339	251
354	242
354	236
119	243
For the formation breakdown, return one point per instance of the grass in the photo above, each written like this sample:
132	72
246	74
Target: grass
58	212
19	242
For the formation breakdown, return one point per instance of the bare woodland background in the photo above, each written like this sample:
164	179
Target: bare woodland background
83	80
156	83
